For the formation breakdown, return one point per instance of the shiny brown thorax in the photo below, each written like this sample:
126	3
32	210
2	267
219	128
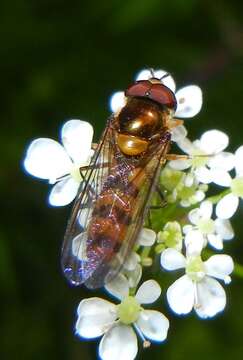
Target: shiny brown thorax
140	122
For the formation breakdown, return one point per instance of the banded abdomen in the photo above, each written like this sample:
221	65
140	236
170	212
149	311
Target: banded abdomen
112	215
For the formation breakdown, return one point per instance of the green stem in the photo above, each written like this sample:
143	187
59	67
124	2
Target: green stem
216	198
145	252
238	270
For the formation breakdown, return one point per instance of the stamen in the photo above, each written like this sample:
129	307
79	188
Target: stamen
139	332
146	343
196	302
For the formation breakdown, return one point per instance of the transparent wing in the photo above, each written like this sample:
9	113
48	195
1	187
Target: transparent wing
74	257
109	211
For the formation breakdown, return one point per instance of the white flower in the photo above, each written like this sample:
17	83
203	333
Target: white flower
228	205
207	160
189	98
97	317
206	230
197	288
60	164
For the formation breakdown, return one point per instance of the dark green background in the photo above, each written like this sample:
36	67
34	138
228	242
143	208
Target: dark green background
61	60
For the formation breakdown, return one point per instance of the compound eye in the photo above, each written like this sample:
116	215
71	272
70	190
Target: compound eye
140	88
163	95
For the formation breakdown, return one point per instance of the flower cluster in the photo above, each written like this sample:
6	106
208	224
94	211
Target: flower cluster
183	234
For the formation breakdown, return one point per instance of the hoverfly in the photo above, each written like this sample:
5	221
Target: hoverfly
113	198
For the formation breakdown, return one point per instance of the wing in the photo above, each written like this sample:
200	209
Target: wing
109	211
73	258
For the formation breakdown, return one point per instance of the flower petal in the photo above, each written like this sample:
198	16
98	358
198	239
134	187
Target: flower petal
220	177
178	133
180	295
185	203
148	292
224	161
146	237
211	298
206	209
214	141
180	164
194	216
189	101
194	242
239	161
143	74
153	324
131	262
227	206
47	159
203	175
215	241
187	228
205	212
77	138
118	287
63	192
199	195
219	266
167	81
171	259
186	145
134	276
119	343
189	179
224	229
94	316
117	101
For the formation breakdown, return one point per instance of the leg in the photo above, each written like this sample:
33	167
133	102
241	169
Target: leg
161	195
177	157
175	122
162	199
185	157
149	219
90	167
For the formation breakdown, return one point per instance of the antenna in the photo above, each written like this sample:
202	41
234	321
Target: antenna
164	76
152	72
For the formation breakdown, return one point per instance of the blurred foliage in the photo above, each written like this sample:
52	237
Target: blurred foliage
61	60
